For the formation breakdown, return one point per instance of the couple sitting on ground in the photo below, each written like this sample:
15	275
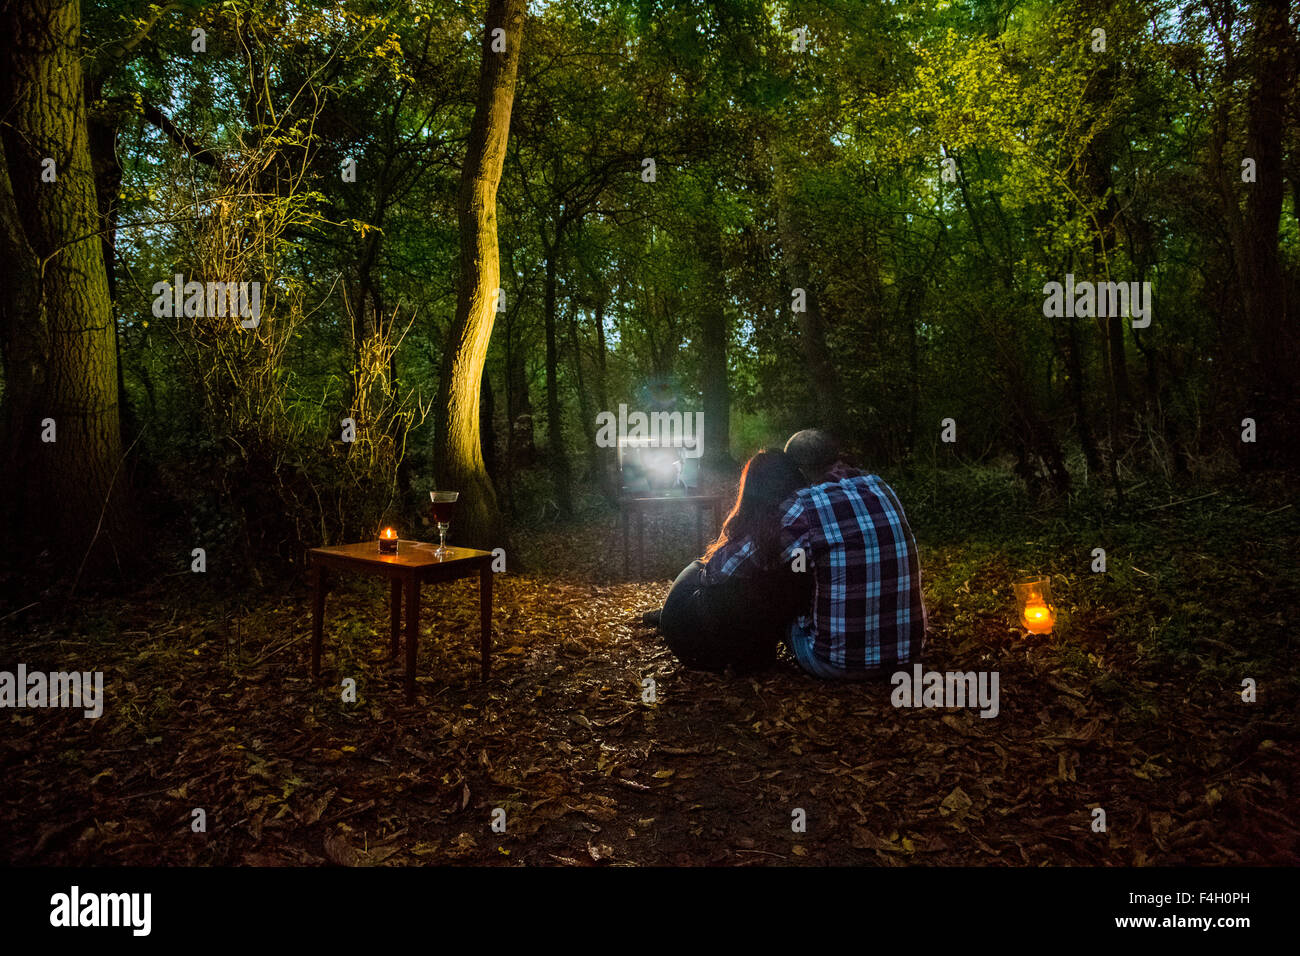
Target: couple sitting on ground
814	552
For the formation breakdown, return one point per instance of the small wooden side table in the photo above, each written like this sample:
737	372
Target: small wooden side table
414	564
639	506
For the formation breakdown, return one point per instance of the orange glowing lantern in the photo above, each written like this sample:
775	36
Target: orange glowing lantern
388	541
1034	602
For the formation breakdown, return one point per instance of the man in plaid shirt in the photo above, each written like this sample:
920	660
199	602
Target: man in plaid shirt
867	615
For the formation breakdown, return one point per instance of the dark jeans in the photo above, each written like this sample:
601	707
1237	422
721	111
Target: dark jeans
736	623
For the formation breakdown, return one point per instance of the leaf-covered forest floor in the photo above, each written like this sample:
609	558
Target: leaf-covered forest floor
1133	705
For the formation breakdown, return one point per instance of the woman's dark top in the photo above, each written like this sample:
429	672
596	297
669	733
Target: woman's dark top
735	622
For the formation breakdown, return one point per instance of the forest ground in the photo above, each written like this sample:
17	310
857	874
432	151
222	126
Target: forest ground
1132	705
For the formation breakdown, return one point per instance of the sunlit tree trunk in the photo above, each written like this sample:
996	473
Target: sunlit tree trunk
56	319
459	464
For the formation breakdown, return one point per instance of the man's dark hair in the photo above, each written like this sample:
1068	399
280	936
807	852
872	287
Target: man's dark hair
813	450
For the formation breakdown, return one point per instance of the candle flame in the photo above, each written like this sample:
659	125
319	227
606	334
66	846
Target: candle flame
389	533
1038	618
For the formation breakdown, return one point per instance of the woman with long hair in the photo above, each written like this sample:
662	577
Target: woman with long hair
713	619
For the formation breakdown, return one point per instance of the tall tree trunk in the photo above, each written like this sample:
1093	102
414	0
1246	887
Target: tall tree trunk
609	480
1078	389
584	400
371	304
1117	361
102	127
519	408
459	465
556	453
602	378
519	413
911	302
713	355
56	317
812	326
1258	262
1254	234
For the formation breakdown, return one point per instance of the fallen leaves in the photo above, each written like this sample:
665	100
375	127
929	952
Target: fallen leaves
588	775
312	811
956	803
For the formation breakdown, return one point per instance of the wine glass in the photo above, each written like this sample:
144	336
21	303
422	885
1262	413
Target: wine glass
444	503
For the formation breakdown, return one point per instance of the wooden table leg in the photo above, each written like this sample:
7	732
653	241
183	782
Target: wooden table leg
485	615
317	616
395	621
412	633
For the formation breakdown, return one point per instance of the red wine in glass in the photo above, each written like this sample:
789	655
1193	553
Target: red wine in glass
444	502
442	510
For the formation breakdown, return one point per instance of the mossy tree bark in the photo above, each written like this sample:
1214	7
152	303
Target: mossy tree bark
56	319
459	465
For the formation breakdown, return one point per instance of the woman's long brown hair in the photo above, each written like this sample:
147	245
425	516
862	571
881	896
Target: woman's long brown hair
769	478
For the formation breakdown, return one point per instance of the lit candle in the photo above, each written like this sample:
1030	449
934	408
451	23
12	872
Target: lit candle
1034	599
388	541
1038	618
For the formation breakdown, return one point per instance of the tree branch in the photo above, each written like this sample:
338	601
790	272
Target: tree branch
178	136
113	55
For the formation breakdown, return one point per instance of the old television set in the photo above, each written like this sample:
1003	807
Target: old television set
656	468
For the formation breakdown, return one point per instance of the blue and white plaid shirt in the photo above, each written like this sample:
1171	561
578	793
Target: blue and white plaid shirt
730	559
867	611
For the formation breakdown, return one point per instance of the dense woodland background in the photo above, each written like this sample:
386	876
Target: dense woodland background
774	169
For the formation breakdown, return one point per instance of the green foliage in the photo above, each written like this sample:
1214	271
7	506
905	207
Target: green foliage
1064	159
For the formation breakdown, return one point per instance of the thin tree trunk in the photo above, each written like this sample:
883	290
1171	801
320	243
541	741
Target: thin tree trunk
913	376
1078	388
713	354
585	410
558	456
608	457
1031	435
457	443
1117	359
602	383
